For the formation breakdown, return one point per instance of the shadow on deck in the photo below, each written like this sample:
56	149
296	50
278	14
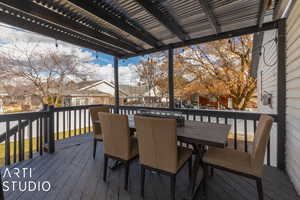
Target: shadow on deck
73	174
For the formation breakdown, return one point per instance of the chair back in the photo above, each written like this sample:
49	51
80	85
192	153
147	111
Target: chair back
116	135
94	116
157	142
261	139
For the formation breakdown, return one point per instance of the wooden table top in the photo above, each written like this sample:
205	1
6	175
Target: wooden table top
199	133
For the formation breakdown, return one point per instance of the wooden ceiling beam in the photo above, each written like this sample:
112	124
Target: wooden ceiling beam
223	35
263	6
49	15
210	15
29	22
104	11
161	13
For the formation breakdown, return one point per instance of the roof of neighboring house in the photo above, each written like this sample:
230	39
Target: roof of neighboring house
133	90
90	84
87	93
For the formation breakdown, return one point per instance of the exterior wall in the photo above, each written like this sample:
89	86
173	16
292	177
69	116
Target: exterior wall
267	82
267	73
293	96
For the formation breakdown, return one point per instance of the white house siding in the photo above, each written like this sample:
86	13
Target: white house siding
103	87
293	96
267	72
267	81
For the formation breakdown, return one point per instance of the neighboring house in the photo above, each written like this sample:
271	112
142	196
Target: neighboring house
140	95
82	93
3	94
94	92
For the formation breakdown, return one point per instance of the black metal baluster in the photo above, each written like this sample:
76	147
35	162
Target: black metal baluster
37	134
64	124
19	140
209	120
30	139
90	122
80	122
75	122
85	121
69	122
15	147
23	143
269	153
201	118
245	135
218	120
57	125
226	120
7	144
194	117
41	135
235	133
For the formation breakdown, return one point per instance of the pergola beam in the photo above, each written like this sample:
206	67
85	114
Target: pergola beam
171	78
44	13
263	4
104	11
210	38
78	17
210	15
155	8
28	22
116	78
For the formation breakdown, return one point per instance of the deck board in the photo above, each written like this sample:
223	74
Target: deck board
74	174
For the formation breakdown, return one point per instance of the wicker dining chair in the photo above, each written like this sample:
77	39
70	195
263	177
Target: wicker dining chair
249	165
118	143
158	150
97	134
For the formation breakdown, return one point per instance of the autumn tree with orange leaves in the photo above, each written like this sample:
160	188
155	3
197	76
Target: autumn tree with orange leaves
215	69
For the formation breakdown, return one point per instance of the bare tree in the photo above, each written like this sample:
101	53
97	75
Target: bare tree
149	73
46	72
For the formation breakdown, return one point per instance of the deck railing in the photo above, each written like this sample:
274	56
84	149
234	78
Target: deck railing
27	133
23	136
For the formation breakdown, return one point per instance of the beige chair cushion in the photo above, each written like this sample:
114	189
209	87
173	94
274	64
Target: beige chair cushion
230	159
157	142
116	136
244	162
94	116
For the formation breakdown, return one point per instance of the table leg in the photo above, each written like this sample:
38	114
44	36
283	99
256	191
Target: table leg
193	186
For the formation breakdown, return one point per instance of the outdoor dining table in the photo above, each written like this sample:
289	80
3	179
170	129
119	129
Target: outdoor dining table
199	135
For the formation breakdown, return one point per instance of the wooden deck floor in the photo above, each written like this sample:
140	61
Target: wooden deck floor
74	174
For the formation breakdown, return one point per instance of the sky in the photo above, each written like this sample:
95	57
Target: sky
99	65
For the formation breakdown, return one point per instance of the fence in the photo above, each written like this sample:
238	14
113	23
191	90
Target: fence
32	133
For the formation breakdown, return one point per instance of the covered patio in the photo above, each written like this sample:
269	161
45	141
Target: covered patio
60	141
74	174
